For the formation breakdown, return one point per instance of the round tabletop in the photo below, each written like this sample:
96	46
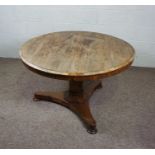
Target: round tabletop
77	54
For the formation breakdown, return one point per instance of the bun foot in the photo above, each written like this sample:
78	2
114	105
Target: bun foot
35	99
92	129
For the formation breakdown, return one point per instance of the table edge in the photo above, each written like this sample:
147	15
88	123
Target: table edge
79	77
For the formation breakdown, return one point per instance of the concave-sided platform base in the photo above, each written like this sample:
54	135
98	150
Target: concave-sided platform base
75	99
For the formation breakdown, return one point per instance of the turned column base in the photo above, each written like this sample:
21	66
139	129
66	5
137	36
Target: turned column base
76	99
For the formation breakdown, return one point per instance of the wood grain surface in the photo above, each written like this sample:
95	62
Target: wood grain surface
77	53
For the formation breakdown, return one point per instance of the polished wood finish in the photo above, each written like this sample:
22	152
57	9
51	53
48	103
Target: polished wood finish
76	99
78	78
76	56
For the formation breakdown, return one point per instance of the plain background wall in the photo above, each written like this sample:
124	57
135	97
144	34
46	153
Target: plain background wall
135	24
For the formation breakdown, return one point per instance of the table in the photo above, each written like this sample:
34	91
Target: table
76	56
